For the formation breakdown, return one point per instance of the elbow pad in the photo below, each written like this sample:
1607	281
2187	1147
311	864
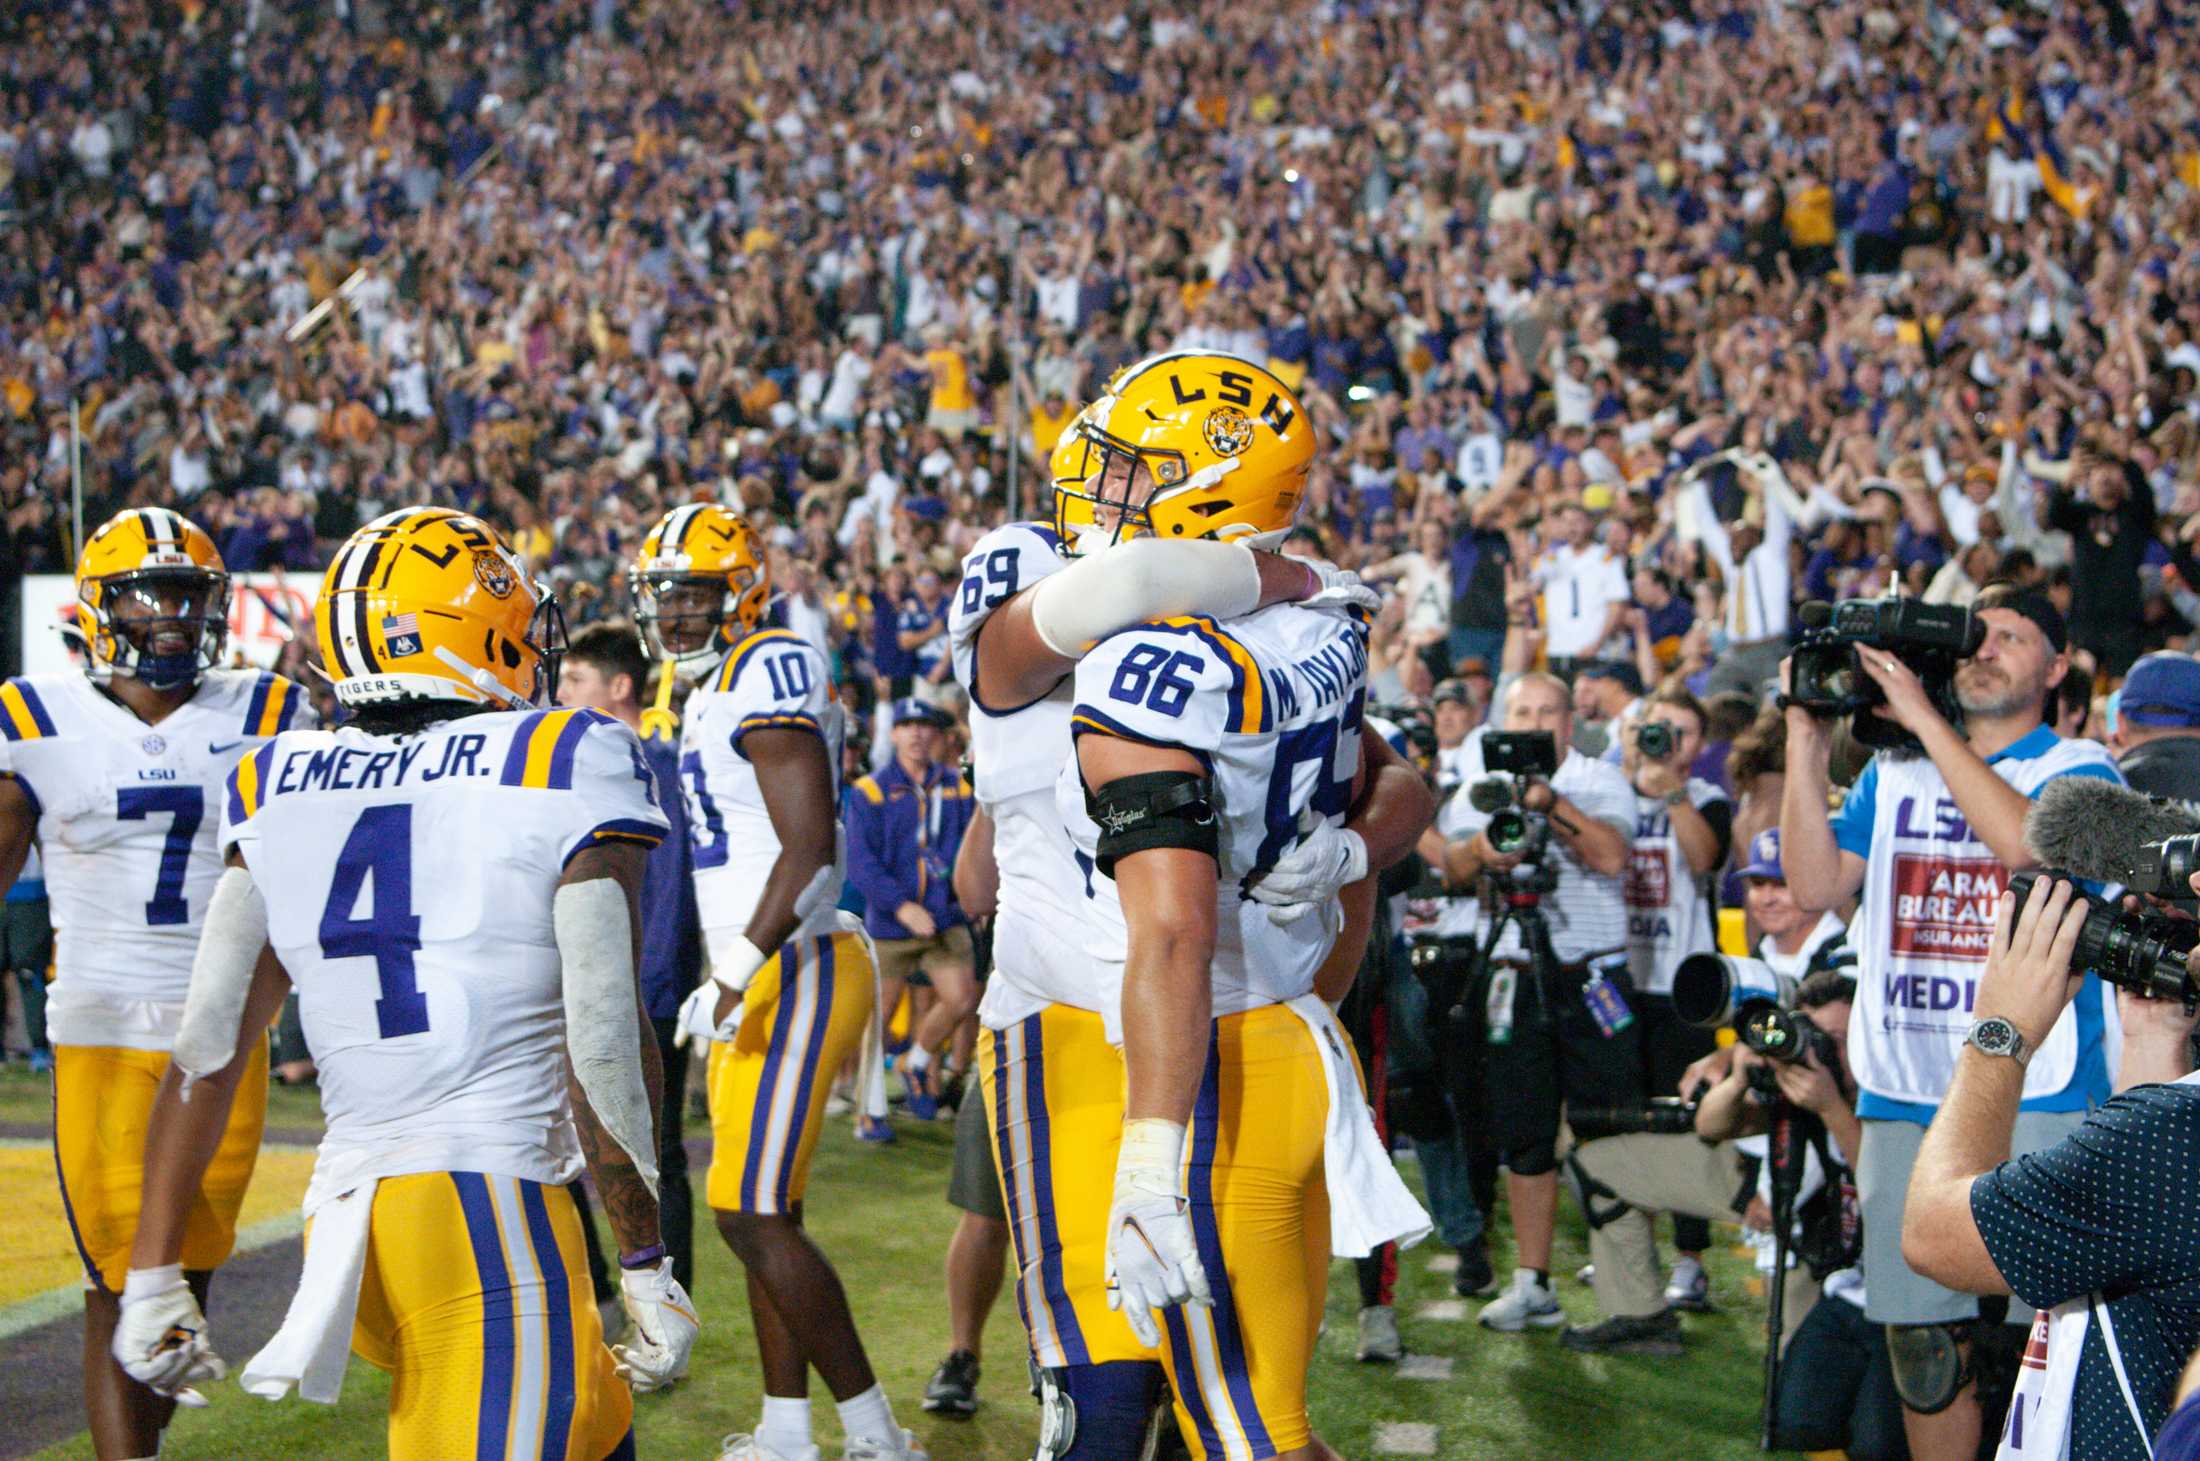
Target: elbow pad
1153	809
1147	578
603	1026
230	942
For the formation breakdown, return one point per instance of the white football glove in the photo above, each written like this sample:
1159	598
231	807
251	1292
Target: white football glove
694	1020
665	1327
1153	1255
160	1340
1310	872
1341	589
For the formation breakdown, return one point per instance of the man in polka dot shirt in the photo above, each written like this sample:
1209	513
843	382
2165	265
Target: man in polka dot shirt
2105	1222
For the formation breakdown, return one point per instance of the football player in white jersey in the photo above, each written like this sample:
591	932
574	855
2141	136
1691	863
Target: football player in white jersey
1025	611
760	742
118	774
448	881
1206	751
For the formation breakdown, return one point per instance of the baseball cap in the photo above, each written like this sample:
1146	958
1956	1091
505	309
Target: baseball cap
1453	691
1764	856
1471	667
2162	689
910	708
1621	673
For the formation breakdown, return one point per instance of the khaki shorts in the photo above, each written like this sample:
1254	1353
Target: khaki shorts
903	958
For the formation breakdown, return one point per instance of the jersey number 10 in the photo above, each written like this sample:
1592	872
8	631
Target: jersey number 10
379	849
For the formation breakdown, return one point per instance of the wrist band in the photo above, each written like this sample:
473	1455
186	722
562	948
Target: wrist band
648	1257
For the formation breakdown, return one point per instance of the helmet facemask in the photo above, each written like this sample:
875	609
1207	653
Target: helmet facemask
683	616
164	627
1109	497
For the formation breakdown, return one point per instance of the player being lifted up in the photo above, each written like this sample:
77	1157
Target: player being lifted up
791	986
449	882
1207	750
118	773
1029	605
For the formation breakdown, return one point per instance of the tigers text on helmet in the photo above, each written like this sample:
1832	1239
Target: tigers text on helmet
700	586
1185	445
152	599
429	604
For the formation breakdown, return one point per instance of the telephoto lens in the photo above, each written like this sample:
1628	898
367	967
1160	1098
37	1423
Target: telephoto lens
1658	1116
1654	738
1709	990
2142	952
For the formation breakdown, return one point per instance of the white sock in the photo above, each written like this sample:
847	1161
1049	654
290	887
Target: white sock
870	1417
916	1060
786	1424
1686	1265
1524	1278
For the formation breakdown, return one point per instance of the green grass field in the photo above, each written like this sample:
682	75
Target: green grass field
881	1215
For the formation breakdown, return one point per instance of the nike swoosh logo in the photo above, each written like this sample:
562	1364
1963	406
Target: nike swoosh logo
215	748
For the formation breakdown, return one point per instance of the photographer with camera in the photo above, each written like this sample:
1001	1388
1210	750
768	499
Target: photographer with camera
1555	1024
1928	841
1682	829
2097	1230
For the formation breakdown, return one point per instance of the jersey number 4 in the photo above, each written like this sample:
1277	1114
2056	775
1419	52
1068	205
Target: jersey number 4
379	850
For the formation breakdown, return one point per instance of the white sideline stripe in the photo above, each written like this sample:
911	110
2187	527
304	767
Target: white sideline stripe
1444	1263
1404	1438
1449	1311
1425	1367
26	1314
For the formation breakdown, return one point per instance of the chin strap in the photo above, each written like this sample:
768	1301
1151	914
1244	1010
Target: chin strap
658	721
483	681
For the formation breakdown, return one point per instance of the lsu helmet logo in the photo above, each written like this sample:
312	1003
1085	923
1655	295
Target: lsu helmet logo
1228	431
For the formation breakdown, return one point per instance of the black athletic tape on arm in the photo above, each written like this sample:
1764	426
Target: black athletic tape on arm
1152	809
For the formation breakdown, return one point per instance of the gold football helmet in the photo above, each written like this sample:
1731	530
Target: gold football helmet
152	599
1185	445
426	603
700	586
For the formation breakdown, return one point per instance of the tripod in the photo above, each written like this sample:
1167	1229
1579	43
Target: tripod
1784	1155
1521	904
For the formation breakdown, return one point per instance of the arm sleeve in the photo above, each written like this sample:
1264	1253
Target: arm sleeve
2098	1209
615	793
777	682
1719	812
1168	685
1852	824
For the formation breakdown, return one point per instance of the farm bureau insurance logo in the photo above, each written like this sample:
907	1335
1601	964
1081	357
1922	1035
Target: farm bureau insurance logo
1944	906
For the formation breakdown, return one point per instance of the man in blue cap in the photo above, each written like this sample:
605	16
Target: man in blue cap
905	824
2157	734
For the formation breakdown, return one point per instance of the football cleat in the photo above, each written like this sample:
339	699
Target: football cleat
152	599
430	604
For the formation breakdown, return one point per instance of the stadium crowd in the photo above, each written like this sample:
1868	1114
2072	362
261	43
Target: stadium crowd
1625	331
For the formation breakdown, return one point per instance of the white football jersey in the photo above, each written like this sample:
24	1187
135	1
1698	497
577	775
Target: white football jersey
1272	703
408	882
127	814
1040	954
772	679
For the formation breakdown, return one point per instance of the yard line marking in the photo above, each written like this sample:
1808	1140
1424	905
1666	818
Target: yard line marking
1444	1263
1404	1438
56	1303
1448	1311
1425	1367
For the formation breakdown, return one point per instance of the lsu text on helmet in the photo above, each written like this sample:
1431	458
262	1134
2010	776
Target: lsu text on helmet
1186	445
429	604
700	586
152	599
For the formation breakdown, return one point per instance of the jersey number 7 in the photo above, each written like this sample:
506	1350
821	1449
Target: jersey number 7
379	849
187	804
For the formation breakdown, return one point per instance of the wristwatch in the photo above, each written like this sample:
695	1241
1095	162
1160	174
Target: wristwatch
1675	798
1996	1036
